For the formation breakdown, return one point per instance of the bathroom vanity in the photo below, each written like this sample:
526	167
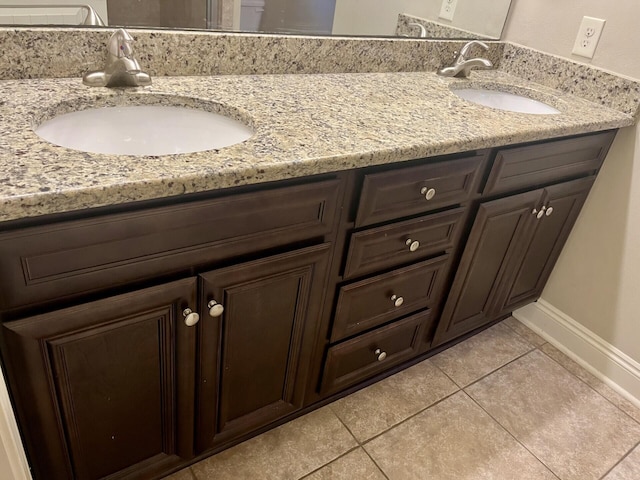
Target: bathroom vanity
140	336
158	309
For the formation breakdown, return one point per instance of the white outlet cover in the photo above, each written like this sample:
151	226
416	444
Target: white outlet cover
448	9
588	36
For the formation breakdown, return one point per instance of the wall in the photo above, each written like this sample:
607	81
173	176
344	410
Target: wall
597	279
354	17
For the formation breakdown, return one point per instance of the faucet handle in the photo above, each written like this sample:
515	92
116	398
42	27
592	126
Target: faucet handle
119	44
465	50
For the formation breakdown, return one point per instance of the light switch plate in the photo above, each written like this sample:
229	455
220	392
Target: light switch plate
448	9
588	36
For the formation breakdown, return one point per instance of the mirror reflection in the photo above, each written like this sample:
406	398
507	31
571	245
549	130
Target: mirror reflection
412	18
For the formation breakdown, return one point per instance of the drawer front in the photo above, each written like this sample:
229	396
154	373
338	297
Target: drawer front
355	360
392	245
371	302
402	192
534	165
66	259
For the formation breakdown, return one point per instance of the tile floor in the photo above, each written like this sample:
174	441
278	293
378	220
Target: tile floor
501	405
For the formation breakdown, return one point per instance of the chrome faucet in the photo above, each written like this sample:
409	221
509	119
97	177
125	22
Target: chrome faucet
122	69
423	30
462	67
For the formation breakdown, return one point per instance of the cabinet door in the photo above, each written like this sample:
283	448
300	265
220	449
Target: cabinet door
499	236
562	204
106	388
254	356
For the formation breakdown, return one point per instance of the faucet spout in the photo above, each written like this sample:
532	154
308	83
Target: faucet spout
121	69
462	66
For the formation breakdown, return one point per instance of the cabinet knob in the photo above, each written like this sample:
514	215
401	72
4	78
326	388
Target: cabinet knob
428	193
412	244
397	301
215	308
549	211
380	355
539	213
190	317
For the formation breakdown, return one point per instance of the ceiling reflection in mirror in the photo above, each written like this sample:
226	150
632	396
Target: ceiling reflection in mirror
407	18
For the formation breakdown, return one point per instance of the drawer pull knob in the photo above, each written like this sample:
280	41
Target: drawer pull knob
397	301
190	317
412	244
215	308
428	193
549	211
380	354
539	213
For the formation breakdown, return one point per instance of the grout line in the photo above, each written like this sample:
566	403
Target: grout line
410	417
619	461
590	386
375	463
512	435
306	475
522	336
345	426
193	474
533	347
499	368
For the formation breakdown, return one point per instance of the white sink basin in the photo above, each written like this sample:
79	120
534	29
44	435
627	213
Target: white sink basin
143	130
505	101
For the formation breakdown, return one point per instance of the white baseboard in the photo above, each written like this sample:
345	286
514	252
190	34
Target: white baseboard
612	366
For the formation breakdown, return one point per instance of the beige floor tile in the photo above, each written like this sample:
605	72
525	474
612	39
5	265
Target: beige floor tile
181	475
453	440
524	331
628	469
378	407
598	385
481	354
355	465
286	453
572	429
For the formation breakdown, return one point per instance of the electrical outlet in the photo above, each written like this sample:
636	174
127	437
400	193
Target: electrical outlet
588	36
448	9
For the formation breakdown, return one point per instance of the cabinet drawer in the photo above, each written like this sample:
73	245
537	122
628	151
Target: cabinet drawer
74	257
391	245
534	165
402	192
354	360
368	303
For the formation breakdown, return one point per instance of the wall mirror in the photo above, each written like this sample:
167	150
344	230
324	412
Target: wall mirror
411	18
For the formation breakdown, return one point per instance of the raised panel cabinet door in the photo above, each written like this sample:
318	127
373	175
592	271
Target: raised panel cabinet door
500	234
561	205
105	389
256	340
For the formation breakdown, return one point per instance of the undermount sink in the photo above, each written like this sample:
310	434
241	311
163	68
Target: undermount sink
143	130
505	101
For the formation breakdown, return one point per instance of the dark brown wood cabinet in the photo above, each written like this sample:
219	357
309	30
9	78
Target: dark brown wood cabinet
510	252
106	388
134	385
561	205
254	356
249	306
499	233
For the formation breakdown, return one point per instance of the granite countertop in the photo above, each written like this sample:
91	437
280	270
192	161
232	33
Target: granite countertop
305	125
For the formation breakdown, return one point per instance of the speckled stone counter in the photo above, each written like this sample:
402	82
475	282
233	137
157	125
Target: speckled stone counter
305	125
406	27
